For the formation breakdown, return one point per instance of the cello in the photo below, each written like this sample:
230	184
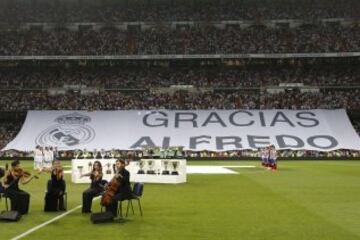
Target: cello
114	185
111	190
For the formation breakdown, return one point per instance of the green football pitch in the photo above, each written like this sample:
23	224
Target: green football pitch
302	200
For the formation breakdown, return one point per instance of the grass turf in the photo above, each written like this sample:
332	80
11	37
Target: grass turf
303	200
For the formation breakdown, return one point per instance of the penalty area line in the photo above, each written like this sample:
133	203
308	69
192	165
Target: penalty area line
31	230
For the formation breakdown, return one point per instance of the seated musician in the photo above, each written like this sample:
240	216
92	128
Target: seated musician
54	198
124	190
2	174
19	199
96	186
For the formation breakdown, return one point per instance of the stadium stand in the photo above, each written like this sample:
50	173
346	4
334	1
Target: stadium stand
67	55
175	10
316	38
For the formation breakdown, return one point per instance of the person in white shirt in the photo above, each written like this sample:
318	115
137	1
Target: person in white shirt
56	154
38	157
47	158
51	154
42	149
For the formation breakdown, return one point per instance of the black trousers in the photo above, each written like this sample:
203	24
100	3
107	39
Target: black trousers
19	200
54	200
112	207
88	196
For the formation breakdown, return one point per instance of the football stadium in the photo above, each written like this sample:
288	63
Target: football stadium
180	119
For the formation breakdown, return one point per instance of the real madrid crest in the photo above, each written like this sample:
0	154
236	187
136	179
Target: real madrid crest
70	131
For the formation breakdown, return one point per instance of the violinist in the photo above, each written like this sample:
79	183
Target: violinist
96	186
54	198
124	190
19	199
2	173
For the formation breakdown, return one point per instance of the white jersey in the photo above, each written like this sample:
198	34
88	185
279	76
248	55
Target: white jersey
38	155
38	159
47	159
51	155
264	153
273	154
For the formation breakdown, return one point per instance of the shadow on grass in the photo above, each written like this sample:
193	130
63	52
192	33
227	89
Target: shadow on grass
116	221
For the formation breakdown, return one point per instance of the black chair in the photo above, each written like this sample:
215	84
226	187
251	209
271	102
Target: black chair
104	183
65	193
137	193
3	195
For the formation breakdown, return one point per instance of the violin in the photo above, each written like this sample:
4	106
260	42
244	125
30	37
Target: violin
25	176
59	172
97	174
19	172
94	175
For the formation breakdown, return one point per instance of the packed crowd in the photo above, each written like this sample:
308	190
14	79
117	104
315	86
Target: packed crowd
356	125
116	100
147	78
23	89
175	10
8	131
201	40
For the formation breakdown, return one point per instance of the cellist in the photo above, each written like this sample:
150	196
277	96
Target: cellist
124	190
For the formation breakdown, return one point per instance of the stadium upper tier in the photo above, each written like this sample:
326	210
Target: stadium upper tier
115	100
173	10
245	76
196	40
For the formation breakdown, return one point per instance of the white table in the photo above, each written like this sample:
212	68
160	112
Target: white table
153	169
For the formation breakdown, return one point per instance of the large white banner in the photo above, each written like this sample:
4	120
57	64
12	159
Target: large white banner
215	130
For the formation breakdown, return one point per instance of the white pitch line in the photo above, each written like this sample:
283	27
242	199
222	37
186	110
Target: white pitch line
225	166
48	222
239	166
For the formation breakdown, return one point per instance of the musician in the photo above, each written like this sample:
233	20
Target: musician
19	199
124	190
2	174
54	198
96	186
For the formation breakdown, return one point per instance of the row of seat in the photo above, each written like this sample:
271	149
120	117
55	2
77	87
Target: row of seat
136	195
